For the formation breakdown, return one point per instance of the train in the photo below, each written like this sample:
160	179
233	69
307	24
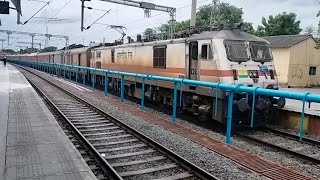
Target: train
226	55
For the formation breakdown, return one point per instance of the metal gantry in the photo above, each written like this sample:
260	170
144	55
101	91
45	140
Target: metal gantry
146	6
8	32
2	41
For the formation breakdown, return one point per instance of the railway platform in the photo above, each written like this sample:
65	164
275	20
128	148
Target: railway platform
32	144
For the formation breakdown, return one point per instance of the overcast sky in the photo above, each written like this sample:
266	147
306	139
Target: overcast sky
133	18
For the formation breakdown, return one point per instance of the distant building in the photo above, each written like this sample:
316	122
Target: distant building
297	61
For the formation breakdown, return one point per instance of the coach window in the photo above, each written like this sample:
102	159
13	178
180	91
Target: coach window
159	57
206	52
98	54
112	55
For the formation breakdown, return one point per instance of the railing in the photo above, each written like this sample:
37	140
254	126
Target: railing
56	69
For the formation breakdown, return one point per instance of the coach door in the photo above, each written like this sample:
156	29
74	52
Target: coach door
79	59
193	60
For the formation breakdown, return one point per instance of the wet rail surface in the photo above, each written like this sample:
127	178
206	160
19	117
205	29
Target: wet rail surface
123	151
308	149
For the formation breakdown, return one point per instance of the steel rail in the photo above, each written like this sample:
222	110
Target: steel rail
192	168
292	136
106	167
261	142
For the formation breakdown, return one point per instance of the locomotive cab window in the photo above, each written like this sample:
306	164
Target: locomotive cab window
159	57
260	51
237	50
206	52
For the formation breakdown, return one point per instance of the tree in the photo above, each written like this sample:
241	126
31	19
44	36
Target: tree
281	24
8	51
309	29
28	50
248	27
150	33
74	46
49	49
226	14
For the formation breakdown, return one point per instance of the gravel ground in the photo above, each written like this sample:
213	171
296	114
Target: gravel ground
294	145
295	132
210	161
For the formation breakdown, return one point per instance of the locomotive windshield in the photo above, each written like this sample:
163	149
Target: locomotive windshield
237	50
260	52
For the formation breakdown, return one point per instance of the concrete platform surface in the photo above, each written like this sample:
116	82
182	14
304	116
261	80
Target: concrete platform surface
32	144
296	106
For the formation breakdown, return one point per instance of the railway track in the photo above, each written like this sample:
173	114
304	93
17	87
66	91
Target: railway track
308	149
121	151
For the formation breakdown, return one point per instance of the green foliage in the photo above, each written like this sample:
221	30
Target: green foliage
74	46
248	27
227	14
28	50
8	51
49	49
281	24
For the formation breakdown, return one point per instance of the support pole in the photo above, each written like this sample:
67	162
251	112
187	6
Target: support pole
32	44
193	14
253	106
8	38
142	94
122	88
94	79
82	14
229	118
106	83
84	76
174	113
301	131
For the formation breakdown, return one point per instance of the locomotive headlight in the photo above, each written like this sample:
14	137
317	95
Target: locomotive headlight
281	103
243	105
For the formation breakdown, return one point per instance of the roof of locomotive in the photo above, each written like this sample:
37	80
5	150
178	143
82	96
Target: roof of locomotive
232	34
70	51
78	50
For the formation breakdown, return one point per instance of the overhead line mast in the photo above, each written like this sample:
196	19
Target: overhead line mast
8	32
146	6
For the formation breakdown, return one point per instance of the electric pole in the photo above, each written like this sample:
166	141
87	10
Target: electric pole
193	13
82	15
146	6
2	40
213	16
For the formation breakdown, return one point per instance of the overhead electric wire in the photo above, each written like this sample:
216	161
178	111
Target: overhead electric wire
56	14
98	19
182	7
30	26
164	12
36	13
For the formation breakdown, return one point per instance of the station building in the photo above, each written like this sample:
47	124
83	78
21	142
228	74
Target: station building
297	61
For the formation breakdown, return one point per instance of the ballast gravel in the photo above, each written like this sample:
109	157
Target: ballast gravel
219	166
